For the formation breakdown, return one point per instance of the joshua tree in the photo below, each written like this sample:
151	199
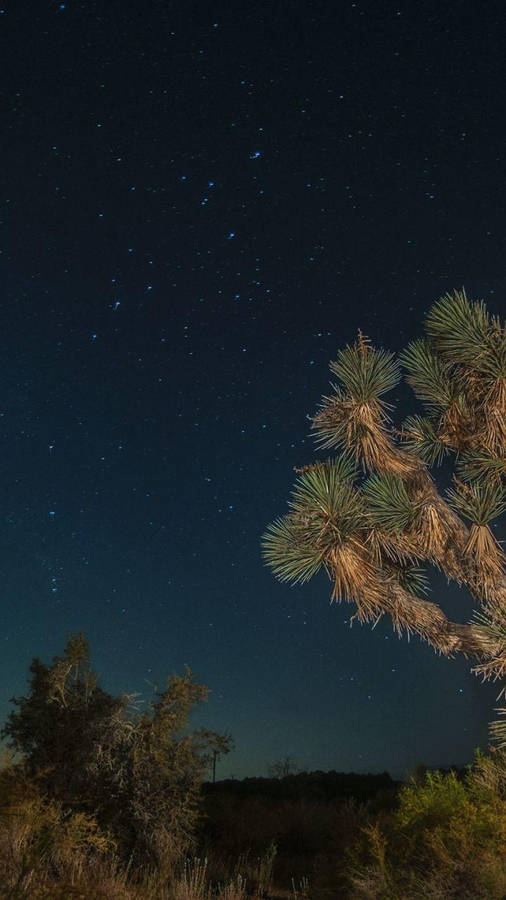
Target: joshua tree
370	515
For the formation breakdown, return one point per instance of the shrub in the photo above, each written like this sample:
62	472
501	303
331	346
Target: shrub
137	775
446	839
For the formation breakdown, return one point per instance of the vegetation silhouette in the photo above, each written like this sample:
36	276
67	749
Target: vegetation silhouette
103	800
138	774
446	839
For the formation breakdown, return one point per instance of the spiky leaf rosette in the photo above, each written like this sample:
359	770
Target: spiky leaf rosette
412	578
474	343
464	333
492	629
480	465
359	428
420	436
429	376
366	373
355	417
326	509
331	422
480	502
389	505
290	552
342	468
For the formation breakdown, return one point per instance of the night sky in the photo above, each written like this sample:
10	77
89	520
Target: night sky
201	203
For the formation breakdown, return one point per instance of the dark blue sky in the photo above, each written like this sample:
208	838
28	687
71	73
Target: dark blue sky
200	205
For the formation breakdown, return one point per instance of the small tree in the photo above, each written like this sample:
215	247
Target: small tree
139	774
372	514
283	767
218	745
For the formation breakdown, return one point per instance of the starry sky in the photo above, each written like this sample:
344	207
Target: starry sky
200	204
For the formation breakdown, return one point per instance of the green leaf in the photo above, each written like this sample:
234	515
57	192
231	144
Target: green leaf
325	499
365	372
428	375
412	578
420	437
289	551
330	423
478	465
388	503
493	630
325	510
319	487
480	502
464	333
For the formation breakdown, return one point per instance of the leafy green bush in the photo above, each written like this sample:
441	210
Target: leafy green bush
446	839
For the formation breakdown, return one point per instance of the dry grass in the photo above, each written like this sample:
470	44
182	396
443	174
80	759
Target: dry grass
42	856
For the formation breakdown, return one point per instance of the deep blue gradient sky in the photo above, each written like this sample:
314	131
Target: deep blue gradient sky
200	204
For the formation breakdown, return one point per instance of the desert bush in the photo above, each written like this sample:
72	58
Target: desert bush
137	775
446	839
42	842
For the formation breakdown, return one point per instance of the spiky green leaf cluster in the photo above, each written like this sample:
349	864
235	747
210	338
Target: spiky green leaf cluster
330	425
480	501
319	482
366	373
326	508
389	505
290	552
329	505
421	437
428	376
493	630
412	578
463	332
479	465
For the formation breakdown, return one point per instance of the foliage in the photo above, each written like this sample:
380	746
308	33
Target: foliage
366	373
446	839
47	851
441	836
370	534
138	774
40	840
325	509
